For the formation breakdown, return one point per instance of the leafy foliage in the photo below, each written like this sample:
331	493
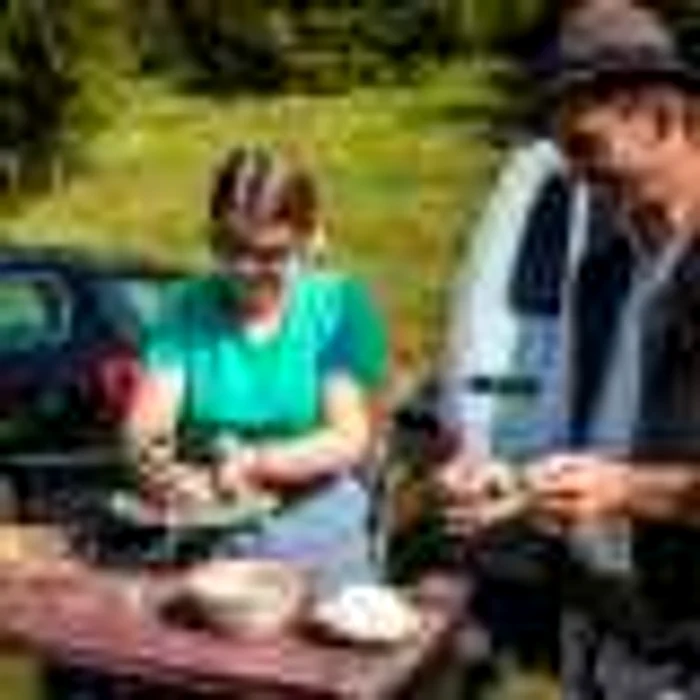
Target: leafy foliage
684	15
279	43
36	78
62	64
58	68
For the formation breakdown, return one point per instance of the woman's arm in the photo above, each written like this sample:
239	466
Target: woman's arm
339	446
150	438
353	368
152	416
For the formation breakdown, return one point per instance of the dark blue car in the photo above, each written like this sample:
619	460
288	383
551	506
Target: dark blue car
69	328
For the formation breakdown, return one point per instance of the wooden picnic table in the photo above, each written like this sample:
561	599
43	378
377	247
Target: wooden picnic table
84	618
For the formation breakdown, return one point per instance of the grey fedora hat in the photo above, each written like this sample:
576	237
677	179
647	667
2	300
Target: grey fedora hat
616	45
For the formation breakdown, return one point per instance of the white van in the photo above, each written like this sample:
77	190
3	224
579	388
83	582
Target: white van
502	381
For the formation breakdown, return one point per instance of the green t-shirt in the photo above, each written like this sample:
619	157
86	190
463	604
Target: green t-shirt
269	387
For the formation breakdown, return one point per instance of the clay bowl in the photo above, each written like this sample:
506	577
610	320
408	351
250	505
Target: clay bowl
249	597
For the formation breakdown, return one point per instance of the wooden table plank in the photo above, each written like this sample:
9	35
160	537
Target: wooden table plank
88	621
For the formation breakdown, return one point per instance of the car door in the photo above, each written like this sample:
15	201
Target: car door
36	317
503	379
528	417
68	362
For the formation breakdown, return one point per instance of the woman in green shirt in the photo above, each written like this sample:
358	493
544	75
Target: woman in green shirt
277	363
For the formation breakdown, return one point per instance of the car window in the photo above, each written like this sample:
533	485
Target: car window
35	311
141	297
144	297
535	285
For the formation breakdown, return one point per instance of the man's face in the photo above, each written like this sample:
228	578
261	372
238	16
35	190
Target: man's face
638	146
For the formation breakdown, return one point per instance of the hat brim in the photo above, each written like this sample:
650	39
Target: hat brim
605	79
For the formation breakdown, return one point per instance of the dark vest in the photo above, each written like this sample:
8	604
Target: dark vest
667	429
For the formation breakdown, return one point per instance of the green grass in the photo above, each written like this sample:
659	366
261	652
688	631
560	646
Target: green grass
401	176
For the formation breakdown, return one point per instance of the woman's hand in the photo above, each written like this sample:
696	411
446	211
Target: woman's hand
149	435
238	472
335	448
176	485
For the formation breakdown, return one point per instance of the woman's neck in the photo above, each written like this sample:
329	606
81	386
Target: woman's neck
259	323
259	310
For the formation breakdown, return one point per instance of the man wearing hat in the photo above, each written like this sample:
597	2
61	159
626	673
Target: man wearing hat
625	491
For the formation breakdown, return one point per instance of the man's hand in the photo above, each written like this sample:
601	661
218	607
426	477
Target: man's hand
571	489
477	495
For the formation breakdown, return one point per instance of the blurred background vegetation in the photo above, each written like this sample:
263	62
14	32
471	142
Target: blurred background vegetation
64	66
113	111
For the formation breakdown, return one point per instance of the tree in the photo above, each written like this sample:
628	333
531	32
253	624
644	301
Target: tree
59	65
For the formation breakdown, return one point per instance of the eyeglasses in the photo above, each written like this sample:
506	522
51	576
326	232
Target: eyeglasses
262	254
